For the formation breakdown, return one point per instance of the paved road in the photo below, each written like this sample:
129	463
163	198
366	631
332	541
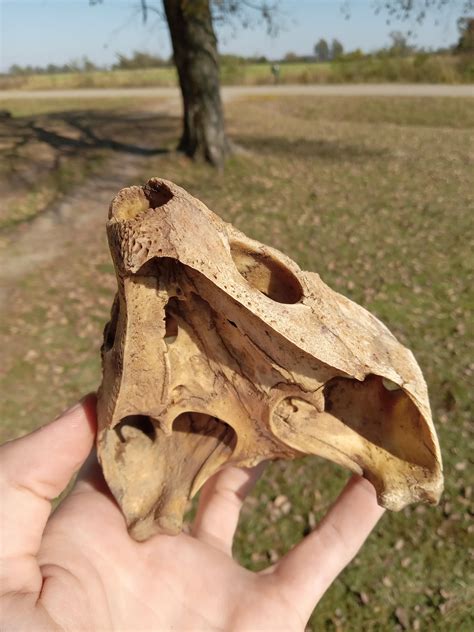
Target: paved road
231	92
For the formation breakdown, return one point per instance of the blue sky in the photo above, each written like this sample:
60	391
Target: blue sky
39	32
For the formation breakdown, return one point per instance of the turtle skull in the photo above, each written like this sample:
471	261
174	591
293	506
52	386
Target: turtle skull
220	350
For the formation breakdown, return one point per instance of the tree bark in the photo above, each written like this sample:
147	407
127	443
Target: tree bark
195	55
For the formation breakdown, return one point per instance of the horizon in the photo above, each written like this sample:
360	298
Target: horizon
49	31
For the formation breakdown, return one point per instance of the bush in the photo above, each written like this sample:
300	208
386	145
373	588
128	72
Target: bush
419	68
232	69
12	82
465	68
139	60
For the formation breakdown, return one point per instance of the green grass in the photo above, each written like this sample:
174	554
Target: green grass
376	195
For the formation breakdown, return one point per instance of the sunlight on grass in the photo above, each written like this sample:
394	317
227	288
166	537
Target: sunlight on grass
374	194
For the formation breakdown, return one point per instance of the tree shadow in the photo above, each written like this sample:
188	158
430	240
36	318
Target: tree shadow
32	146
100	130
45	155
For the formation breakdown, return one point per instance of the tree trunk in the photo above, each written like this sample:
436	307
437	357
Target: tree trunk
195	55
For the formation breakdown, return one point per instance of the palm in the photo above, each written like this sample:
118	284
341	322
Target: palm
168	582
80	570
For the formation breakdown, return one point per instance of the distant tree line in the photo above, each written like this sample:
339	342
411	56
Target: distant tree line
83	65
323	51
140	60
398	47
137	60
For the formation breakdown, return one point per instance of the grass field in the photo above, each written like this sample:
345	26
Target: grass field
374	194
419	68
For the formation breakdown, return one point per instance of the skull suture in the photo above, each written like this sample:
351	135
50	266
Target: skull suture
221	350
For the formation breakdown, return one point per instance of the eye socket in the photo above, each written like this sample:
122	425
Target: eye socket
266	274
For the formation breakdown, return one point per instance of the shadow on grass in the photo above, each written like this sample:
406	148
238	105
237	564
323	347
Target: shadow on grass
309	148
31	146
44	155
69	132
89	138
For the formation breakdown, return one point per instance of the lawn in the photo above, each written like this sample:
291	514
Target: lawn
374	194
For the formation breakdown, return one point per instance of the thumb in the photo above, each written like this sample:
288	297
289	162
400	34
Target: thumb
34	470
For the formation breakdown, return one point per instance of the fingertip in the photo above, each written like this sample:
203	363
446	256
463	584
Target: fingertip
65	442
80	416
84	411
365	491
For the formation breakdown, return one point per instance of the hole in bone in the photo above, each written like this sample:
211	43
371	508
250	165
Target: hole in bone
205	443
137	427
387	418
266	274
206	426
389	385
110	329
171	324
157	194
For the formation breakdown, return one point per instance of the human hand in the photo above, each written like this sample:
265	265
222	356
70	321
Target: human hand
80	570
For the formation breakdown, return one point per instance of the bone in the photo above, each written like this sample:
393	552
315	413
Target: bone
221	351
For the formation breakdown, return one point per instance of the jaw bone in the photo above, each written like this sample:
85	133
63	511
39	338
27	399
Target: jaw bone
220	350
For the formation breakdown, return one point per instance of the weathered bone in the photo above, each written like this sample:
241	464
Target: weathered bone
221	350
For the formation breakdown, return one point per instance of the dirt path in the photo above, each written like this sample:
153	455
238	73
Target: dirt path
48	236
32	247
232	92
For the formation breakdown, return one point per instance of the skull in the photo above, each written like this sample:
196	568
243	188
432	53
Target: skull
220	350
